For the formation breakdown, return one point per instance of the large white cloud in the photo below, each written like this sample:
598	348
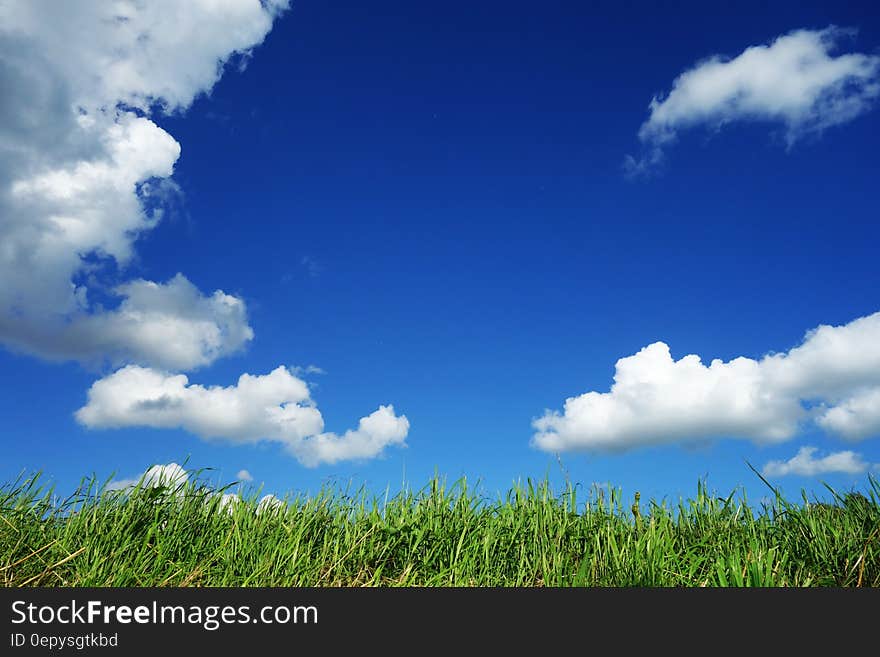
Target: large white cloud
84	171
139	53
83	168
274	407
171	325
657	400
805	465
795	81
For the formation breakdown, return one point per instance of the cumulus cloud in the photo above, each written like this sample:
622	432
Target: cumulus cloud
269	504
244	475
84	168
379	429
804	465
172	325
656	400
174	478
228	502
796	82
170	476
140	53
274	407
856	418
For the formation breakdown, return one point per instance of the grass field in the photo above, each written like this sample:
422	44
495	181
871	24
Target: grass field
437	536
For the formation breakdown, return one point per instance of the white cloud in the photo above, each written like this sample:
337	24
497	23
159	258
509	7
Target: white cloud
269	504
122	484
312	266
795	81
832	362
855	418
139	53
228	502
172	325
273	407
84	172
171	476
657	400
82	166
379	429
804	465
244	475
298	370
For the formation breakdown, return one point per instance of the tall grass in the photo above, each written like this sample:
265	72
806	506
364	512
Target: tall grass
441	535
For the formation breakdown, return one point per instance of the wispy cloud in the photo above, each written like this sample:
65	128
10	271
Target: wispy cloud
313	267
805	465
795	82
308	369
657	400
244	475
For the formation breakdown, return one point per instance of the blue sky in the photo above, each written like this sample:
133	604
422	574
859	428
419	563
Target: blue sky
463	213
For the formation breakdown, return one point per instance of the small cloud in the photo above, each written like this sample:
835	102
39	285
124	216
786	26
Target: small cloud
218	117
308	369
174	477
228	502
123	484
169	476
269	504
312	266
804	465
644	166
166	475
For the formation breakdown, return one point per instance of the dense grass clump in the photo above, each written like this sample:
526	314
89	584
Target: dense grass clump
438	536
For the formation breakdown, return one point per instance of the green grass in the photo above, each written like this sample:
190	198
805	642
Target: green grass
438	536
